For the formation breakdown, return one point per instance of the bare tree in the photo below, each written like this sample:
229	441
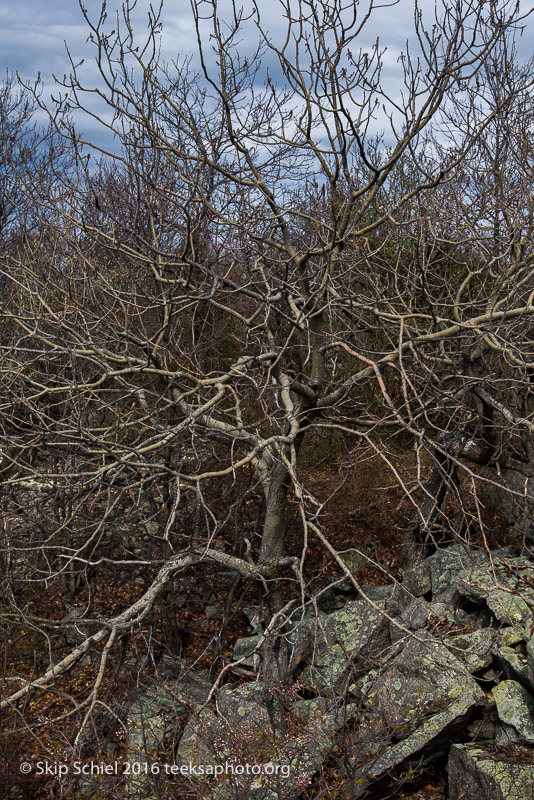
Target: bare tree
250	265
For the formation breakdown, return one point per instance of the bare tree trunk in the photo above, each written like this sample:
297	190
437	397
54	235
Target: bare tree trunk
274	652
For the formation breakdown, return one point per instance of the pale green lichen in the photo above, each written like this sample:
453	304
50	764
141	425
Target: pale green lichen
474	773
515	707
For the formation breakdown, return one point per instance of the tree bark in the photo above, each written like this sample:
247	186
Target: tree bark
274	652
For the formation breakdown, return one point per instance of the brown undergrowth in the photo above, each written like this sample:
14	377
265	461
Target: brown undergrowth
366	512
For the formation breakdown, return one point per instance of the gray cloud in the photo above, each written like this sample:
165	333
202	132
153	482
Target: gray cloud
32	33
33	36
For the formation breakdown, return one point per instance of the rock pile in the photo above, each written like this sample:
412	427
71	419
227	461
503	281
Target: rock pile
440	666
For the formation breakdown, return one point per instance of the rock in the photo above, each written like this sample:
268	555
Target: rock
244	652
515	707
414	697
423	697
418	579
443	612
485	645
445	567
214	611
241	732
509	637
321	708
333	594
152	714
485	619
75	631
198	743
190	686
474	649
305	754
419	614
310	710
474	774
504	586
481	729
152	527
396	633
300	631
378	594
416	614
353	559
513	664
491	675
252	613
505	735
530	660
399	599
234	701
240	728
349	638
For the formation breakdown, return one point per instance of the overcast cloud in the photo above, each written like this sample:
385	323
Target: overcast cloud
33	34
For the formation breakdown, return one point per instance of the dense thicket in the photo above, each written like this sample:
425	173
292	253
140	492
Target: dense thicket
250	271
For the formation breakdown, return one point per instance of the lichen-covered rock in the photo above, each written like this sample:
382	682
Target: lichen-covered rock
308	711
416	614
353	559
417	579
513	664
419	614
445	568
515	707
198	743
504	586
241	731
152	713
506	735
240	726
414	697
482	729
399	599
424	696
509	637
474	649
300	630
245	652
474	774
377	594
350	637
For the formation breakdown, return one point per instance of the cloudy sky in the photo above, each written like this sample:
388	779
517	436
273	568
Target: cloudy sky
33	34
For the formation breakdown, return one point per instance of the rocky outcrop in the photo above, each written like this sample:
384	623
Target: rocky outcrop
152	715
444	658
504	584
244	730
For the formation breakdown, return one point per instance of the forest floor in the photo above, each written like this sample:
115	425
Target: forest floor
365	512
